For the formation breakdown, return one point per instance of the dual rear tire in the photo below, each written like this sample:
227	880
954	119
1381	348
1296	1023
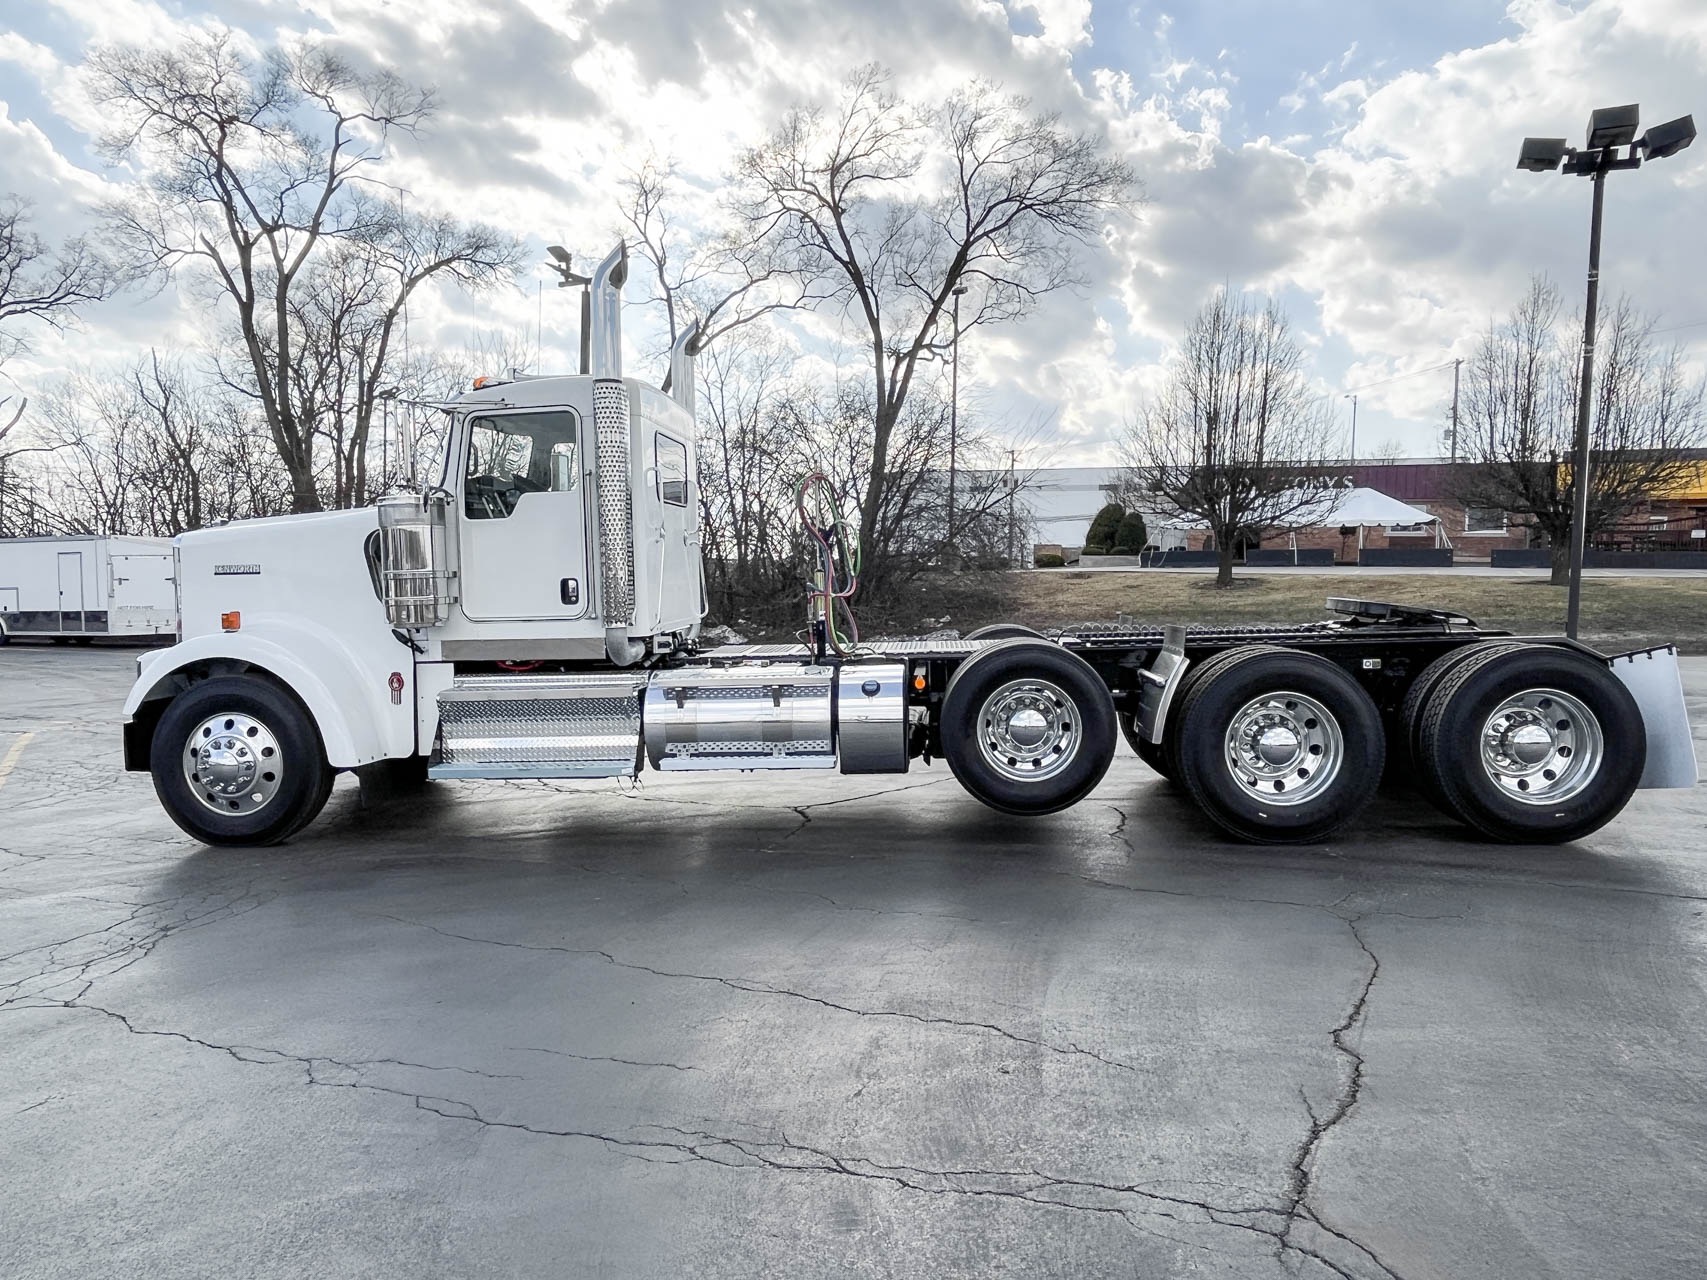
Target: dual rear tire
1528	744
1275	745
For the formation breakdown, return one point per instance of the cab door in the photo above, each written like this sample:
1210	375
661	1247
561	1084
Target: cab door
523	532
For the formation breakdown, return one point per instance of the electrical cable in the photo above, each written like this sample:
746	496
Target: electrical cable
837	551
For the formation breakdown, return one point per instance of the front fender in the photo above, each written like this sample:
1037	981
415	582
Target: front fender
359	719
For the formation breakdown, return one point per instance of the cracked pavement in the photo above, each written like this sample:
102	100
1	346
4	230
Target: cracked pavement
804	1025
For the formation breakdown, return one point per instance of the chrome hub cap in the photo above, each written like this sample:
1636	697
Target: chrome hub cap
233	764
1028	730
1542	746
1283	748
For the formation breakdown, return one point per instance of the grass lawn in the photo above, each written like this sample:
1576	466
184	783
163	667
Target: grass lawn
1617	612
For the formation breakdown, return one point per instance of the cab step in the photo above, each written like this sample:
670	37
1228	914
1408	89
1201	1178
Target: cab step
549	726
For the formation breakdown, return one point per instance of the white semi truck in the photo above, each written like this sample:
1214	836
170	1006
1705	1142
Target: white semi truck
535	613
78	587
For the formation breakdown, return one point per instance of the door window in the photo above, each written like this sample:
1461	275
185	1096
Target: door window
672	471
517	453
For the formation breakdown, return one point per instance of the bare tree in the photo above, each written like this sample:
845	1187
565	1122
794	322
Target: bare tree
748	463
887	208
151	449
39	285
264	179
719	279
1235	440
1518	419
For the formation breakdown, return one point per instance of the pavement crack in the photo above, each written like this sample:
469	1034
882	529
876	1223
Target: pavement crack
754	986
1351	1066
590	1057
803	810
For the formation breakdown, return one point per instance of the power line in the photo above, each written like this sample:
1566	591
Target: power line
1673	328
1400	377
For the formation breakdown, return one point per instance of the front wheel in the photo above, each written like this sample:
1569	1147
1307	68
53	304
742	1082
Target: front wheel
1027	727
237	761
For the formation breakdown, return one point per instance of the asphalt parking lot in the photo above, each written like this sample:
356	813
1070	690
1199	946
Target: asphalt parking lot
806	1025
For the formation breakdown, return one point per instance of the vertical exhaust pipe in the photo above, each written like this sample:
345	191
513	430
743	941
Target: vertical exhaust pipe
611	441
608	278
681	380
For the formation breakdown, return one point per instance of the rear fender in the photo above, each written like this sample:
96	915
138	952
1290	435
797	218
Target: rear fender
358	718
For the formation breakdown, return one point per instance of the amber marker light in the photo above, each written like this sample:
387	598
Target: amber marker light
231	621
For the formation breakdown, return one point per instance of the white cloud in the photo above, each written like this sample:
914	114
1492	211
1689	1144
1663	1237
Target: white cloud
1390	216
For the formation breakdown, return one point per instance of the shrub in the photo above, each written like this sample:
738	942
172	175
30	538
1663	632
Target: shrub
1103	530
1129	540
1049	560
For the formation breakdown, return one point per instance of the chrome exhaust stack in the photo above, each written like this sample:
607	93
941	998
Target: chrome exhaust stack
681	381
608	278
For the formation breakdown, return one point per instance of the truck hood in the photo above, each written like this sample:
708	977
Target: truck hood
358	522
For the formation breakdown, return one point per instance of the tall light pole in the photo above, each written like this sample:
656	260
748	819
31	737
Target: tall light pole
955	294
1611	130
568	279
1353	399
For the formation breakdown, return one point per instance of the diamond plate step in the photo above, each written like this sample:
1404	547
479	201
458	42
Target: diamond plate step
555	726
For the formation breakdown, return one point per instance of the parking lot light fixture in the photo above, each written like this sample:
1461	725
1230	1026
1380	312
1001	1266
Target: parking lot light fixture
1612	144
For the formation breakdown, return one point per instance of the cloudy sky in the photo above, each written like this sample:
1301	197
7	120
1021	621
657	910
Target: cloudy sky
1354	158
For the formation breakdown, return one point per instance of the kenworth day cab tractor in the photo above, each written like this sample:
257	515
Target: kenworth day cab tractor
536	613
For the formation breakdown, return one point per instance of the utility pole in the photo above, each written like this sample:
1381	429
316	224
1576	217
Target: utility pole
1455	365
1013	498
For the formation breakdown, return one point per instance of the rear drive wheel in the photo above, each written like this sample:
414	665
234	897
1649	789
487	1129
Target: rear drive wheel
1027	727
1533	745
1416	703
1279	746
237	761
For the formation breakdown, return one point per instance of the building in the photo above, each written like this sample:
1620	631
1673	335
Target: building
1063	500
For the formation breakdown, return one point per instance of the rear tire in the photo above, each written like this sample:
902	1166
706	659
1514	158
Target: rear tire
1533	745
1280	747
1416	704
1027	727
237	761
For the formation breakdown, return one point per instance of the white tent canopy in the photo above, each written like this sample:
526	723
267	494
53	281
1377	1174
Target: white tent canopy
1366	507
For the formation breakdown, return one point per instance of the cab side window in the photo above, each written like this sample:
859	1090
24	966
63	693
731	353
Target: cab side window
672	470
515	453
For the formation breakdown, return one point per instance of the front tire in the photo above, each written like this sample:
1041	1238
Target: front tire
1027	727
237	761
1533	745
1280	747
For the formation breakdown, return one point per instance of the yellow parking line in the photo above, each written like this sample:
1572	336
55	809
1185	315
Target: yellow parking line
11	760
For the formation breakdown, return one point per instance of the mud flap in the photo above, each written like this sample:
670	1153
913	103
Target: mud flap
1654	680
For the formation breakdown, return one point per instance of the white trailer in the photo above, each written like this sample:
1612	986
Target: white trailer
84	586
535	613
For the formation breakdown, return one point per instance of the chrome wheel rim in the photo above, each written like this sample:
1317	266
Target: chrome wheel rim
233	764
1542	746
1283	748
1029	730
